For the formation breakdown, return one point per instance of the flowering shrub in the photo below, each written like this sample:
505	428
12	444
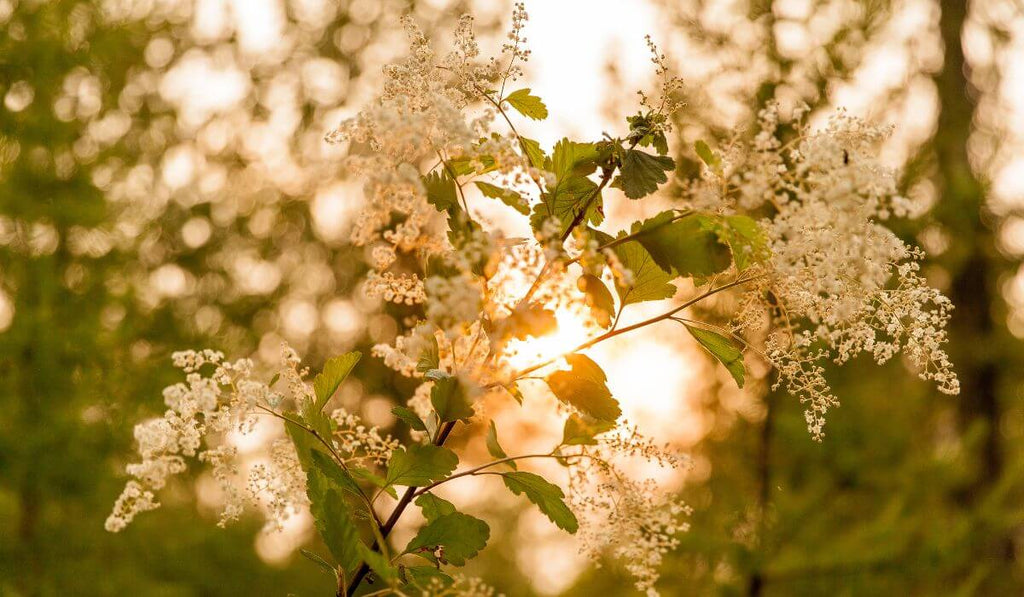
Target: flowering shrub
792	230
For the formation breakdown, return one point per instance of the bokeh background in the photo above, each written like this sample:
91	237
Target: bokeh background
164	185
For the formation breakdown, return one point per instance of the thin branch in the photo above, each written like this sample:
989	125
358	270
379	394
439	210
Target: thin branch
636	326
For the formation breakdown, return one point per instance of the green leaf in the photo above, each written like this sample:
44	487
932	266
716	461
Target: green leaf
722	348
641	173
333	473
427	577
598	298
650	282
689	246
463	165
747	241
568	199
581	430
506	196
528	320
494	448
441	190
334	372
419	465
570	157
434	507
322	563
706	155
380	565
461	535
449	400
429	358
583	387
366	475
334	522
410	418
534	153
547	496
528	105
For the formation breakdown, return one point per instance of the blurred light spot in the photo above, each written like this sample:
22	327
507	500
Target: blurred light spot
169	280
196	232
19	96
6	311
159	52
299	318
343	319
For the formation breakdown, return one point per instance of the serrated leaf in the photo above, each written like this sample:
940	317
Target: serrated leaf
722	348
429	358
706	155
441	190
567	200
649	283
334	521
583	387
420	465
333	473
570	157
581	430
427	577
434	507
534	153
494	448
461	535
690	246
641	173
449	400
528	320
506	196
598	298
410	418
365	475
528	105
546	495
380	565
747	241
316	559
334	372
479	164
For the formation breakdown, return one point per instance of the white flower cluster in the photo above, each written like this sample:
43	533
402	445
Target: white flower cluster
634	520
359	444
839	283
203	413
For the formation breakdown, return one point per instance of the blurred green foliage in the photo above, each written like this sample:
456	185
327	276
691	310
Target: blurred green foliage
910	493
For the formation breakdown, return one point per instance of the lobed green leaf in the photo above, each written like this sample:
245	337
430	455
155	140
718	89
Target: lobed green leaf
528	105
641	173
420	465
334	372
546	495
722	348
583	387
461	535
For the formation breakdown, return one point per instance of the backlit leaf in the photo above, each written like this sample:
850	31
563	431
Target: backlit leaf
689	246
546	495
334	372
722	348
449	400
461	535
420	465
528	105
641	173
583	387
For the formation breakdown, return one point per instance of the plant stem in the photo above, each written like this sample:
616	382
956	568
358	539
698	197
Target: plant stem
396	514
488	465
611	334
